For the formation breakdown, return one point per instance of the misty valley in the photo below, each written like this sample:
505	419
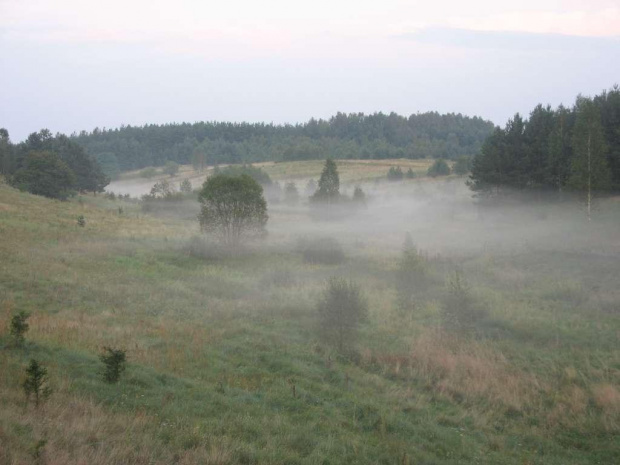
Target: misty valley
254	295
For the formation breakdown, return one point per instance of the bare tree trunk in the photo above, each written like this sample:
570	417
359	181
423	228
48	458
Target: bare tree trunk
589	176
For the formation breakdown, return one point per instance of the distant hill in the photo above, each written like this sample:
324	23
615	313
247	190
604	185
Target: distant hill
344	136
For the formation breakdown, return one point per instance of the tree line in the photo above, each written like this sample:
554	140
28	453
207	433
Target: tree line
343	136
53	166
575	148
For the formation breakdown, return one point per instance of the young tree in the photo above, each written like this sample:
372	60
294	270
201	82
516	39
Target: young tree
186	186
36	382
341	309
162	190
359	197
589	169
329	184
395	173
115	361
439	168
232	208
44	173
460	310
19	327
410	174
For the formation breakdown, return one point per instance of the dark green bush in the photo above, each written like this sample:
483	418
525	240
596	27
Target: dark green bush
19	327
115	361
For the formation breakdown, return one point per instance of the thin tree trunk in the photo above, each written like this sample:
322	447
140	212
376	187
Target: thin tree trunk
589	177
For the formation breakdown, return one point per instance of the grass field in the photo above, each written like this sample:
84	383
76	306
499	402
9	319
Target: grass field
351	171
225	365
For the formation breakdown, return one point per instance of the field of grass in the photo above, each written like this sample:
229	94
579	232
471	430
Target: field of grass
225	365
351	171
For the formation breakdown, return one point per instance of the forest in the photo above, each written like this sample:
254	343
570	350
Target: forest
52	166
555	150
343	136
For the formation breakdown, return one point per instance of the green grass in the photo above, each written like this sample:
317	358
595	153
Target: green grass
216	346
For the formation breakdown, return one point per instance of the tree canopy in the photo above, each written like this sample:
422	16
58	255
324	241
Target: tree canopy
44	173
19	166
354	135
232	208
554	150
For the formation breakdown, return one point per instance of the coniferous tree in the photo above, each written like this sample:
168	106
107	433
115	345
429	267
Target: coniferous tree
329	184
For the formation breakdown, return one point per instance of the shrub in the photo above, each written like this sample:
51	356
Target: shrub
460	310
322	250
411	274
395	174
81	221
410	174
19	327
359	197
186	186
341	309
36	382
114	361
148	173
439	168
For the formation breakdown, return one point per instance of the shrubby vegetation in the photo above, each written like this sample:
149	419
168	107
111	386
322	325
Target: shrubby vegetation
341	308
115	361
19	327
439	168
36	383
395	173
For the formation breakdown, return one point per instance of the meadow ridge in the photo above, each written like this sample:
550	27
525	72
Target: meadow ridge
351	172
225	365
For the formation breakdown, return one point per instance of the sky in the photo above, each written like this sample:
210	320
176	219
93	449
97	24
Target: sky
71	65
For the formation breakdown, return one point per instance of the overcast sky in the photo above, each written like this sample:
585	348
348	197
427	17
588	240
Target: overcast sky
69	65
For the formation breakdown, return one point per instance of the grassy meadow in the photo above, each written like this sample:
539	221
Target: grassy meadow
225	365
351	171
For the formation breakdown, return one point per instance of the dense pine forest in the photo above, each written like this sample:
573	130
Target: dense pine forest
574	149
344	136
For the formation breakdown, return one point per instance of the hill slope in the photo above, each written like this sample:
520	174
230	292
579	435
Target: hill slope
225	366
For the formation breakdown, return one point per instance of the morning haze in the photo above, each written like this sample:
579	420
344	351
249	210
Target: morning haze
333	232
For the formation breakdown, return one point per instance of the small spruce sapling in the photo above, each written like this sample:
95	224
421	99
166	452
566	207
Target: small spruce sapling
36	382
19	327
114	361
